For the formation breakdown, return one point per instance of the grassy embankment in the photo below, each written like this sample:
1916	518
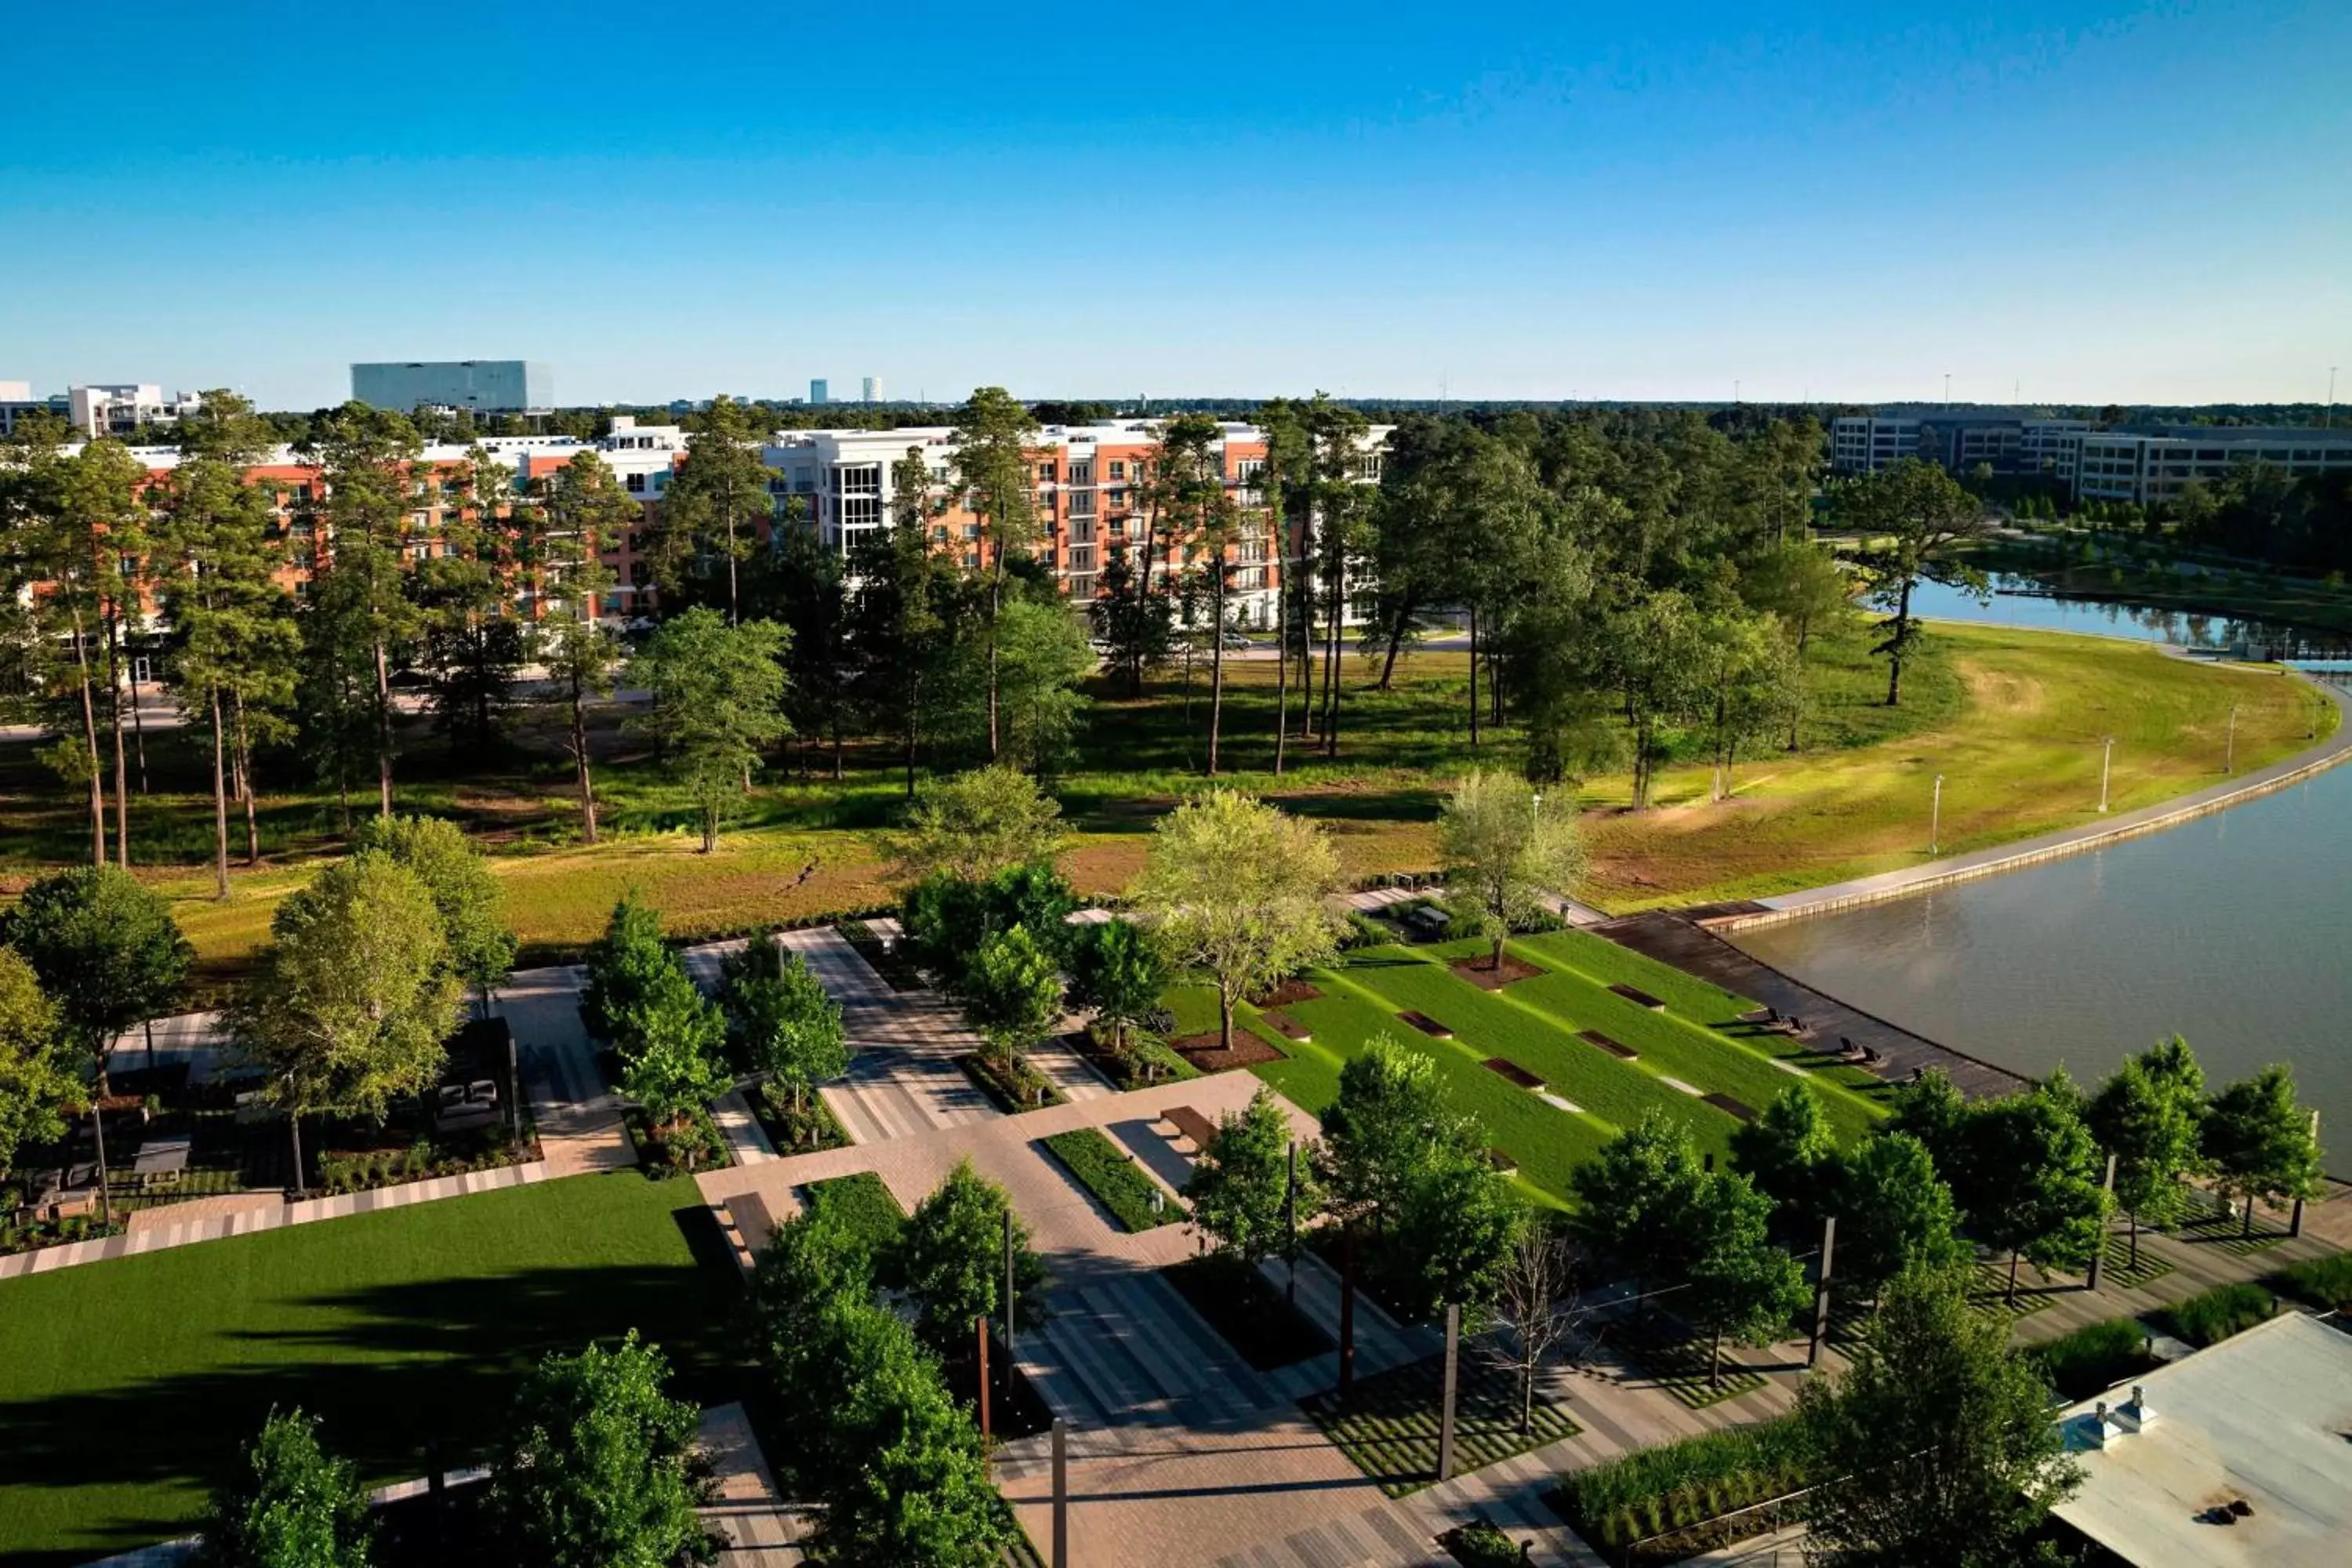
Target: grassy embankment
2012	719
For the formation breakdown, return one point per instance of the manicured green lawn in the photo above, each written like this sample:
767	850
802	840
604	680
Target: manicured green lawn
125	1387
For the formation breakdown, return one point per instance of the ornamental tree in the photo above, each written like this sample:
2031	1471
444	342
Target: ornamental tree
1011	992
780	1018
670	1042
481	945
36	1062
1241	1188
973	824
1740	1284
2151	1129
1506	852
622	963
1117	972
1234	889
717	703
2260	1143
952	1260
1894	1213
1390	1112
1633	1194
107	950
1790	1152
2038	1179
289	1504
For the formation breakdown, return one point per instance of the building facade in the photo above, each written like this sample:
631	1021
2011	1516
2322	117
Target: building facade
2010	442
480	386
2150	468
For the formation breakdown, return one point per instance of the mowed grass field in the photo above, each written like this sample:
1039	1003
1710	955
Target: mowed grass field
1535	1024
126	1386
2013	720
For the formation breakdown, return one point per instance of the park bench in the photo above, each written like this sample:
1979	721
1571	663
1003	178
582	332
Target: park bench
1190	1123
161	1162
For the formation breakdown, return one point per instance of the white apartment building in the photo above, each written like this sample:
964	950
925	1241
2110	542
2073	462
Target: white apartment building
117	410
2150	468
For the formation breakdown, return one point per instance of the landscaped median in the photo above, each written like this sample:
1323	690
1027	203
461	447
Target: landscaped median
1111	1174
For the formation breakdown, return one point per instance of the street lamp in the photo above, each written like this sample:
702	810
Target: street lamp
2107	764
2229	749
1936	818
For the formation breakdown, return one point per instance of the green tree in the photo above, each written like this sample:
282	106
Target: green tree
481	945
670	1041
100	504
952	1260
805	581
1790	1152
1460	1224
1635	1195
601	1470
58	513
718	701
1748	681
473	641
290	1504
1117	973
36	1076
1915	522
1939	1436
1131	623
237	649
1741	1285
1893	1214
1657	657
1803	586
1241	1189
622	963
781	1019
900	587
716	501
353	998
1011	992
973	824
992	470
2152	1132
1041	656
1337	504
1931	1109
1505	855
2038	1179
1379	1131
582	512
1233	890
2260	1143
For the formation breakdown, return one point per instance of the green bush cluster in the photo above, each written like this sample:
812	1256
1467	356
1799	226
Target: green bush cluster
16	1238
2094	1357
1481	1543
689	1144
2214	1316
360	1171
1686	1483
1106	1171
2322	1282
864	1208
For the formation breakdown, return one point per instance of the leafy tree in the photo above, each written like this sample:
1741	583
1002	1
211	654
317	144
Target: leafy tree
481	945
1914	520
622	963
1485	505
582	512
353	998
715	503
1011	992
36	1076
62	511
973	824
811	1262
991	468
781	1019
1241	1188
1234	889
2037	1178
2259	1141
1337	506
2152	1130
1378	1131
1939	1436
290	1504
1504	854
1041	656
1740	1284
899	630
1131	623
717	701
1633	1196
1459	1225
670	1041
952	1260
1655	658
218	559
1807	592
472	643
1117	972
946	919
1931	1109
601	1469
1748	683
811	595
1894	1213
1790	1152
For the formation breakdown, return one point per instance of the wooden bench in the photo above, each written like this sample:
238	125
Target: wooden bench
1503	1066
1190	1123
1426	1024
1595	1037
1639	997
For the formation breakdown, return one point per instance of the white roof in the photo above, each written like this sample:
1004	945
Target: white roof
2261	1418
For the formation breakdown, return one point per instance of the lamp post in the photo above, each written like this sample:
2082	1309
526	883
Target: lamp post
2107	764
2230	748
1936	818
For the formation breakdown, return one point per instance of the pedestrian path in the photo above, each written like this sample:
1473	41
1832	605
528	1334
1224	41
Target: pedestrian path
746	1138
903	1079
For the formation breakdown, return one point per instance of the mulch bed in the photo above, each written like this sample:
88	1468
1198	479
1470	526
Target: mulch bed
1288	992
1595	1037
1205	1053
1723	1102
1508	1069
1485	977
1639	997
1427	1025
1289	1027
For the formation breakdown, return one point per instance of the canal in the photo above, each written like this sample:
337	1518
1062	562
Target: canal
2230	930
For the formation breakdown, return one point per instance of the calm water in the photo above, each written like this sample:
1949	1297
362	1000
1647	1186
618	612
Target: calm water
2230	930
2011	605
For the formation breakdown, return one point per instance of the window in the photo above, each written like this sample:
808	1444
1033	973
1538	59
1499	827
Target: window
637	484
1044	473
1118	470
1082	472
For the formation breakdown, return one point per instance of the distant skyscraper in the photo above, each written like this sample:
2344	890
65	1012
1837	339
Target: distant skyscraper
508	385
818	390
872	389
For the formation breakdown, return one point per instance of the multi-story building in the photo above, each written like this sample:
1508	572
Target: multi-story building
120	409
480	386
872	389
17	402
2150	468
2006	440
819	391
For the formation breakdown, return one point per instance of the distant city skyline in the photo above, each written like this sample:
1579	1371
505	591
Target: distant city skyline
2060	202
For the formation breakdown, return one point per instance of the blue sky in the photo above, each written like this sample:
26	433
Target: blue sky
2082	201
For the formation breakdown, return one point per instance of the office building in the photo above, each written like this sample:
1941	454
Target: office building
819	392
872	389
2006	440
479	385
2150	468
17	402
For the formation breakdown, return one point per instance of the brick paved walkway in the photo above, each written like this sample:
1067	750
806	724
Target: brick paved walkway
904	1078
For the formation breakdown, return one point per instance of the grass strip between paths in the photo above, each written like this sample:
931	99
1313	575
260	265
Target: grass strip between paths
1111	1174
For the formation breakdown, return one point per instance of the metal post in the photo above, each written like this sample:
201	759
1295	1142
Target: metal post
1821	1293
1347	1308
1009	1305
1936	818
1290	1224
985	1427
2230	751
2099	1258
2106	763
1061	1493
2294	1220
1453	1365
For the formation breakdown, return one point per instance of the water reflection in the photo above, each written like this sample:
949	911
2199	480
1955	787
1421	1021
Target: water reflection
2021	601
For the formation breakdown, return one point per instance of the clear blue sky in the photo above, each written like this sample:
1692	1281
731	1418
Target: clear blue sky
2091	202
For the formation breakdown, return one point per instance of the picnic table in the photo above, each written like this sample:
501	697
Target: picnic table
161	1161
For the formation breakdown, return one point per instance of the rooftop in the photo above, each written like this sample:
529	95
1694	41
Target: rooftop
2265	1419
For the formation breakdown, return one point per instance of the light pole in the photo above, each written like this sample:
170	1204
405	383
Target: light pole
1936	818
2107	764
2230	748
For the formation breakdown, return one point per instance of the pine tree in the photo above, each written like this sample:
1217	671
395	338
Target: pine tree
582	512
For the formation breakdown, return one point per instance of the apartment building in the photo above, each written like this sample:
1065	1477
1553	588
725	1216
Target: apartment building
2006	440
2150	468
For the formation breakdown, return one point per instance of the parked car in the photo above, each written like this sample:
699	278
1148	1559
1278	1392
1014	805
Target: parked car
1234	641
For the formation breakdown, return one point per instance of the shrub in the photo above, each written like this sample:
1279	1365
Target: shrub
2094	1357
1656	1489
1365	932
2322	1282
1106	1172
2218	1313
690	1142
864	1206
1482	1544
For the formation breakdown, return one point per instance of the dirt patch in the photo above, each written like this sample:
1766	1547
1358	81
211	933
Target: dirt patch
1479	971
1426	1024
1283	1024
1207	1055
1999	688
1503	1066
1288	993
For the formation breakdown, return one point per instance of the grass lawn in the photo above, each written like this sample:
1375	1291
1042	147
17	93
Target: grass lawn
1388	1424
126	1386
